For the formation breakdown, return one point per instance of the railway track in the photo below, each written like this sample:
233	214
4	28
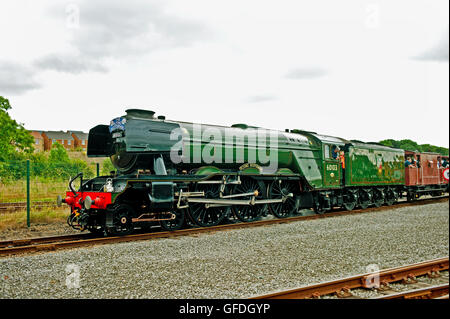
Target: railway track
43	240
12	207
13	247
380	282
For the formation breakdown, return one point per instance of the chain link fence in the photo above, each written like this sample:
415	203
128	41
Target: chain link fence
28	185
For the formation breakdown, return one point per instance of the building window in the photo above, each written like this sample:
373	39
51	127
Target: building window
83	142
36	141
69	142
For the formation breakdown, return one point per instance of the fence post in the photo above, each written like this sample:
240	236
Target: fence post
98	169
28	193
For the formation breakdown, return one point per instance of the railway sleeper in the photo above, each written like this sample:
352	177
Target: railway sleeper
344	292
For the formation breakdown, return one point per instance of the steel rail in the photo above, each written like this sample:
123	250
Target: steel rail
342	287
43	240
432	292
61	242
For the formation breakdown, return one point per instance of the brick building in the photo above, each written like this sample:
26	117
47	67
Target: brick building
38	141
80	139
43	140
61	137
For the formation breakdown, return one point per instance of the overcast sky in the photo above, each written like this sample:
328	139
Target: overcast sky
366	70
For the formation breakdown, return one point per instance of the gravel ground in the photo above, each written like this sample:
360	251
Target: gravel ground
237	263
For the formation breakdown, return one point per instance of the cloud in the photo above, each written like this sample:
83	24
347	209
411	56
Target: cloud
69	64
119	29
439	52
261	98
306	73
16	78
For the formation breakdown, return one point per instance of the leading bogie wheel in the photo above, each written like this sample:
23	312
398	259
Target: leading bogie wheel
122	223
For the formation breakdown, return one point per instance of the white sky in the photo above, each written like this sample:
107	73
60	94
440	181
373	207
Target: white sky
366	70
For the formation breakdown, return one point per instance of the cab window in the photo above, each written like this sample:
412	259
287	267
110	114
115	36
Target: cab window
330	152
327	151
334	152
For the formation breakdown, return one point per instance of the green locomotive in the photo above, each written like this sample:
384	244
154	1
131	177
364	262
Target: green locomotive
170	171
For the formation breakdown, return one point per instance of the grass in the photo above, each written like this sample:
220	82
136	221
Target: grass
40	190
18	219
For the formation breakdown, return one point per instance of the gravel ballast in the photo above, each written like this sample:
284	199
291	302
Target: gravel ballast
237	263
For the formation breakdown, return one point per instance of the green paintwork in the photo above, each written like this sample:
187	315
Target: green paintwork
328	173
285	171
373	165
331	173
207	170
114	196
218	149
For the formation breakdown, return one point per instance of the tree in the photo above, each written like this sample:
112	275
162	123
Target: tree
58	154
15	139
410	145
107	167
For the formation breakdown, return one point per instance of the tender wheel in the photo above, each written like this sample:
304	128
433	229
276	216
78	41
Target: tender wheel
249	213
282	189
123	225
378	197
365	199
208	216
391	197
350	200
174	224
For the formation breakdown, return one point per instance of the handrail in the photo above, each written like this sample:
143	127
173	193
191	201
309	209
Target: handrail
72	180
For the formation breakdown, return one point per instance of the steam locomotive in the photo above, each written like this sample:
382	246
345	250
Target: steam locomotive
172	172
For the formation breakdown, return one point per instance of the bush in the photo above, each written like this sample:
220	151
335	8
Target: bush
107	167
58	154
58	166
